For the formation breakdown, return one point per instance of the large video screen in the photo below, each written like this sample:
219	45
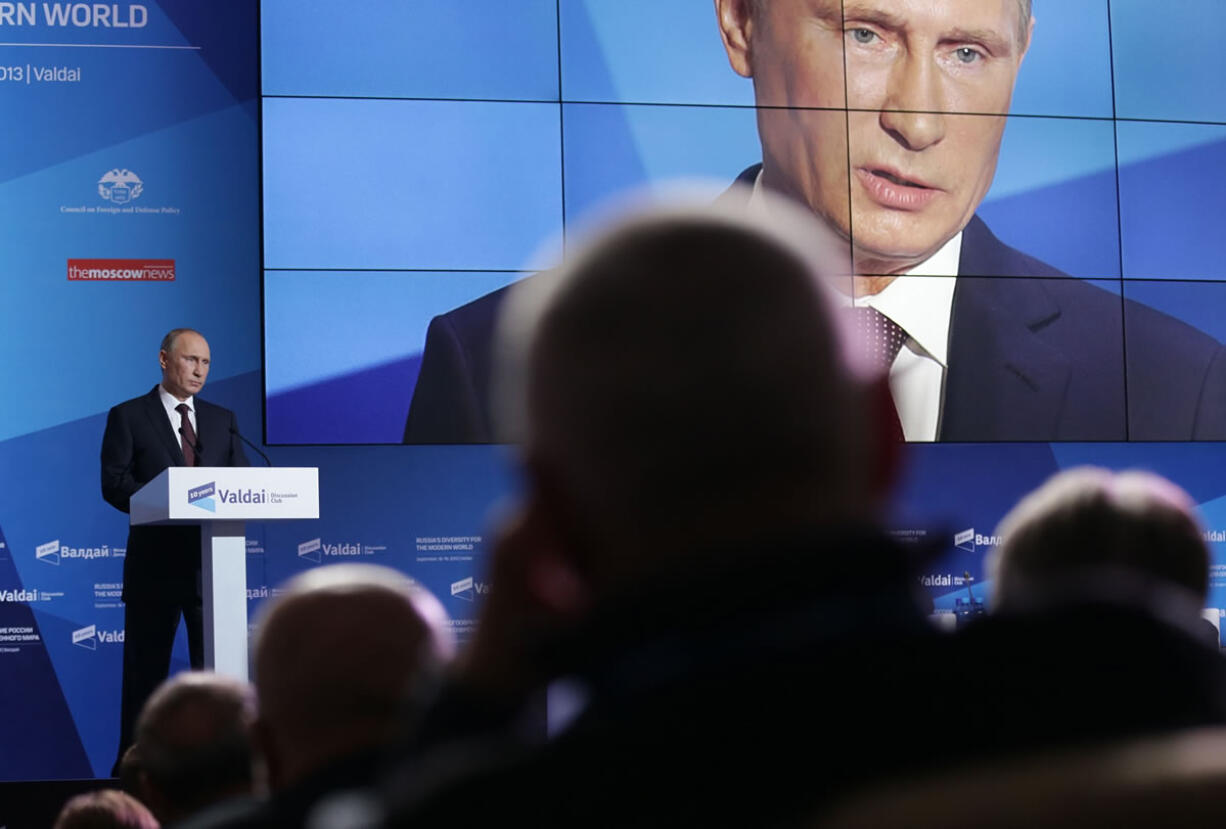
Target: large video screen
1039	209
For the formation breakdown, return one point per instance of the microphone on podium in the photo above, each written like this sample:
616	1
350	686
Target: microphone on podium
234	431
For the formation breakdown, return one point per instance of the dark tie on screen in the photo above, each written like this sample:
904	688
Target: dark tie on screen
879	339
189	435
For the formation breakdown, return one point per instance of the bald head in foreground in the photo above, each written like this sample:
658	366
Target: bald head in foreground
682	381
194	745
680	386
345	657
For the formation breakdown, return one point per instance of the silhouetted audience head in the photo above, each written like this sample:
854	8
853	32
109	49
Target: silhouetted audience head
682	381
1092	532
105	809
345	657
129	772
194	744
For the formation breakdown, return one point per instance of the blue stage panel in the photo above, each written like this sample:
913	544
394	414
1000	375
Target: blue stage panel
1054	194
1172	177
1067	70
1169	61
614	148
369	317
408	184
423	49
353	383
646	51
424	510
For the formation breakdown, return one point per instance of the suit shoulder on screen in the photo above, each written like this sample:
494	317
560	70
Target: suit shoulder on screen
473	322
1174	373
983	254
1176	378
1165	376
451	399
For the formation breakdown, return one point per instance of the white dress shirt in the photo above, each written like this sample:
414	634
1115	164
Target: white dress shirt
169	403
920	301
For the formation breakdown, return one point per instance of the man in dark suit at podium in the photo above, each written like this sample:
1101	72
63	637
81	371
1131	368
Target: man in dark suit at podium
167	427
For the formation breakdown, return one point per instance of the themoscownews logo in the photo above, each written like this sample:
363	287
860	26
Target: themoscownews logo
121	270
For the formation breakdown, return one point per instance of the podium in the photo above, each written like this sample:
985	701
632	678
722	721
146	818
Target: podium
221	499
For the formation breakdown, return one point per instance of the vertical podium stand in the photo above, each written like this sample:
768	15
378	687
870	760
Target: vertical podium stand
221	499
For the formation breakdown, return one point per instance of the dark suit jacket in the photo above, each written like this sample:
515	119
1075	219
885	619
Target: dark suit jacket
162	563
1033	355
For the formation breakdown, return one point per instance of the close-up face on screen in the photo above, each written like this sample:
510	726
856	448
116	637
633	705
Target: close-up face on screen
1026	191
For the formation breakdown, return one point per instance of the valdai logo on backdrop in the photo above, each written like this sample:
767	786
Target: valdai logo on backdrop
315	549
466	588
88	637
971	541
53	552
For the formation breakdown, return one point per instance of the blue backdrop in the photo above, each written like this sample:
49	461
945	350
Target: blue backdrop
370	208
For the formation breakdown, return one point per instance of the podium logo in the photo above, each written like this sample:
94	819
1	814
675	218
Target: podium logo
120	186
48	553
310	549
202	496
86	637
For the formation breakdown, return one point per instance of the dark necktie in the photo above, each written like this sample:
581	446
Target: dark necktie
189	435
879	339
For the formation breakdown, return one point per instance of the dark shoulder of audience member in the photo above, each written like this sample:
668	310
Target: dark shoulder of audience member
105	809
696	558
1096	628
194	744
